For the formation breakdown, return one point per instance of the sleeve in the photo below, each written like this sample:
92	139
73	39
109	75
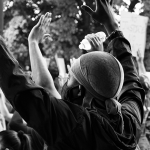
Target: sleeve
132	94
52	118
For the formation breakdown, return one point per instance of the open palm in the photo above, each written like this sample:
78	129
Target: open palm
40	29
103	12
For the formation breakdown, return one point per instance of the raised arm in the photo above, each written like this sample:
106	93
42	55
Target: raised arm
7	115
140	62
103	14
132	95
96	42
120	48
40	72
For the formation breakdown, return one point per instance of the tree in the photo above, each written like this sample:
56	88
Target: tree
69	26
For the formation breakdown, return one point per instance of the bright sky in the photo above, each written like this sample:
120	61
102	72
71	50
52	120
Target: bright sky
137	7
127	1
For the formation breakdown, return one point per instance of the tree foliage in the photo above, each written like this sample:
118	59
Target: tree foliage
69	26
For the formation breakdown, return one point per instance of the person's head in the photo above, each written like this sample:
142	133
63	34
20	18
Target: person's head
11	140
100	73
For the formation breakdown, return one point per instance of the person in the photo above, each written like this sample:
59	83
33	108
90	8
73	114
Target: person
20	137
141	66
112	110
40	73
144	78
145	82
18	134
14	141
8	116
4	110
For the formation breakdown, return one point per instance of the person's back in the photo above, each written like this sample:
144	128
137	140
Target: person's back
112	110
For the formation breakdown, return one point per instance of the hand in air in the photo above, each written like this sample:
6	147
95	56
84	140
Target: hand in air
72	61
40	30
103	12
139	56
95	41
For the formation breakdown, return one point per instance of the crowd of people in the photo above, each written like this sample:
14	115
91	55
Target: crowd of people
103	103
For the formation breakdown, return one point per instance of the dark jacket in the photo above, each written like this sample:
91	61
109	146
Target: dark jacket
67	126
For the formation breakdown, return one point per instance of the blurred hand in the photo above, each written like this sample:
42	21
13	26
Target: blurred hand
103	14
62	80
139	56
95	41
39	31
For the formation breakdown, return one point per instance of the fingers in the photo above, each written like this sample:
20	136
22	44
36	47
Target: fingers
62	80
92	39
98	37
47	36
95	41
98	40
45	24
111	2
47	19
44	20
139	54
90	36
40	20
87	9
72	61
97	3
68	67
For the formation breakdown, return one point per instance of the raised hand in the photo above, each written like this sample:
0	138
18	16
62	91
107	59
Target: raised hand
103	14
95	41
40	29
62	80
40	72
139	56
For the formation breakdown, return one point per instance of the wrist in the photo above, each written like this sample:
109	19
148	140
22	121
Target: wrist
111	27
112	38
33	42
113	35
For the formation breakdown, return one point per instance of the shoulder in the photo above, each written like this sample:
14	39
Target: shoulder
37	141
66	108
